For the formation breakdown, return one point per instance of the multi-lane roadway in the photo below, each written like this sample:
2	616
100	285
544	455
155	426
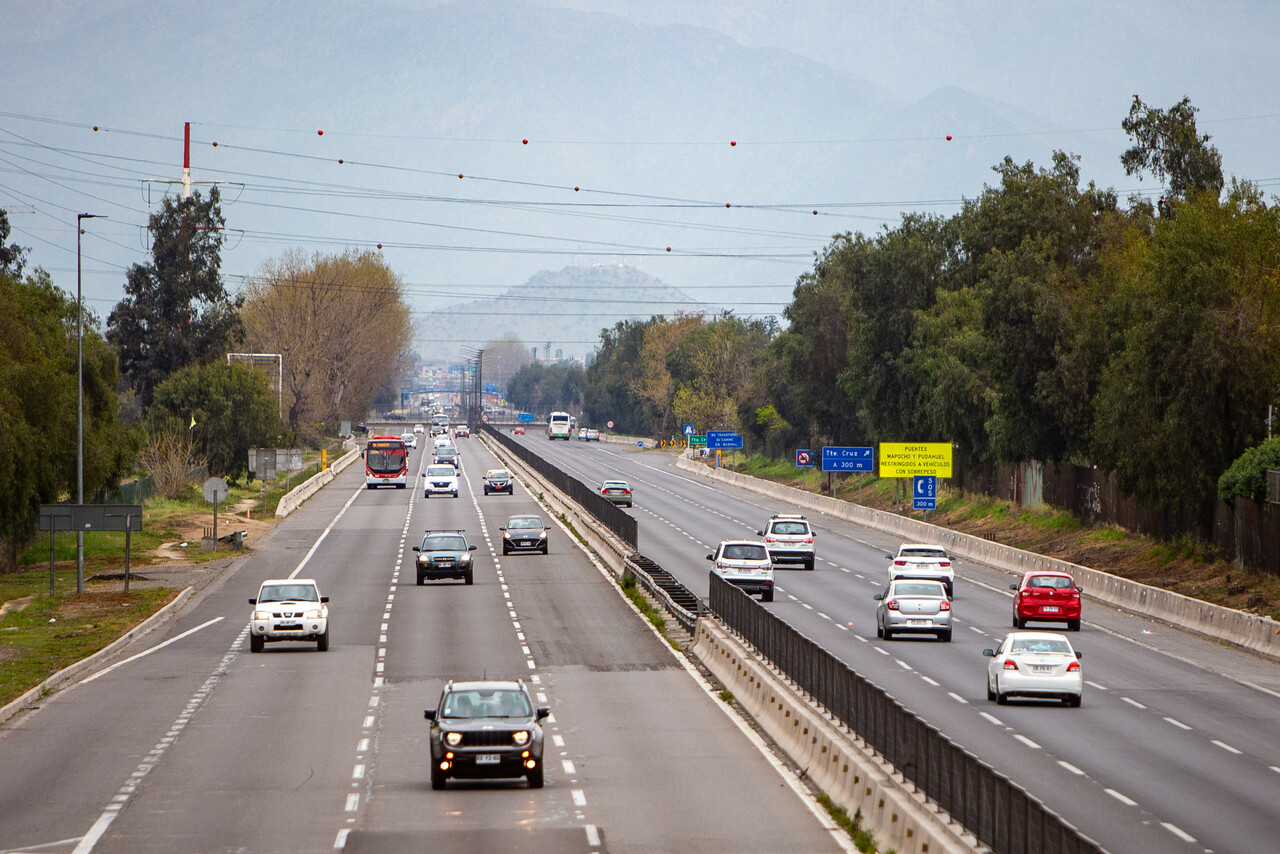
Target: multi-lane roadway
191	743
1176	747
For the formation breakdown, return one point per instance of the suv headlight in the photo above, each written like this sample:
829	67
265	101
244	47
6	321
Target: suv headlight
466	558
521	737
262	615
314	615
453	739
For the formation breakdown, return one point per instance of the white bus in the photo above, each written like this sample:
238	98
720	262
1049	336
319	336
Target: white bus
559	425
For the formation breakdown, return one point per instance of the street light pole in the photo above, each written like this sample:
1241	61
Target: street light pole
80	402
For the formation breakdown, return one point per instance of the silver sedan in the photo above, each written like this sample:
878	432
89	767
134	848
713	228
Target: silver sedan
914	606
1039	665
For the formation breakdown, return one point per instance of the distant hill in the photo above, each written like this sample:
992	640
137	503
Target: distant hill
566	309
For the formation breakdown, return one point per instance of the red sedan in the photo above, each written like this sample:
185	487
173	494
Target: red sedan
1047	597
519	431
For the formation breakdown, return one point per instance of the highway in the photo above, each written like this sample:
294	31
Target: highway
197	745
1174	750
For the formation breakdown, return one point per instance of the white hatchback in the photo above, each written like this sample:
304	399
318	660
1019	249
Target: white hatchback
289	609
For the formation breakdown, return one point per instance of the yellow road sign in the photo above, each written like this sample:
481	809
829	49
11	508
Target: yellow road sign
915	459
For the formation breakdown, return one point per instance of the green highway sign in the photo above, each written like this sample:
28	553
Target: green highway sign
696	441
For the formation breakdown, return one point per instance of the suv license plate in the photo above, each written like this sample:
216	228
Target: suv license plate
488	759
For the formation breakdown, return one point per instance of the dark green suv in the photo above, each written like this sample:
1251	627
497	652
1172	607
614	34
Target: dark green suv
444	554
487	729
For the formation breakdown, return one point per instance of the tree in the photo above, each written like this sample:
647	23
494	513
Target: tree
653	384
609	382
1166	145
233	408
343	329
503	358
176	311
544	388
12	257
38	404
1247	476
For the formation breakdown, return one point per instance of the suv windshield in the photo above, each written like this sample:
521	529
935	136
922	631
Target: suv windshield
487	704
289	593
443	544
441	471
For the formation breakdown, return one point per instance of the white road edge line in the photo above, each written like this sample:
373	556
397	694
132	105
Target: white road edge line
146	652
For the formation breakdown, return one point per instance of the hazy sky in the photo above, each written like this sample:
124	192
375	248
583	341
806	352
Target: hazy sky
839	106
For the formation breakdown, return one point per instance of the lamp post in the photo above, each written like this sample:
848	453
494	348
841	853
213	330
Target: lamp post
80	402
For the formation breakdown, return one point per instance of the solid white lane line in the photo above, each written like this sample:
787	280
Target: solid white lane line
146	652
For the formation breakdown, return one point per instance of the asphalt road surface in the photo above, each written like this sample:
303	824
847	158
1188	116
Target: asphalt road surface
1176	747
197	745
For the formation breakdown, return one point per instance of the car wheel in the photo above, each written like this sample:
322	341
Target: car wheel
535	778
1002	699
322	643
545	550
767	596
1073	625
420	579
888	633
256	643
505	551
1019	623
951	591
426	494
991	695
945	637
486	490
808	564
879	630
370	485
437	778
455	495
468	578
399	486
1073	701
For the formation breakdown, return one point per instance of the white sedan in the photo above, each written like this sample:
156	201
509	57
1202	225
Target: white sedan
1039	665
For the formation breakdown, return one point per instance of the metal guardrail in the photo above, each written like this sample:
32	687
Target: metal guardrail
680	602
623	525
1000	813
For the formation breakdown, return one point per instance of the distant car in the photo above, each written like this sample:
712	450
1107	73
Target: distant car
582	434
919	560
745	564
617	491
447	454
462	431
1046	597
360	429
440	480
410	440
418	428
913	606
442	442
789	539
289	609
444	554
524	534
499	480
486	729
439	429
593	435
519	431
1039	665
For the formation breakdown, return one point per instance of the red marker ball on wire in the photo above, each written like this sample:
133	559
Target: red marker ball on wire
948	137
320	133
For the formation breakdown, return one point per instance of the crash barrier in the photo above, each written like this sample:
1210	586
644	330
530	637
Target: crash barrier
309	487
1252	631
623	525
680	602
997	811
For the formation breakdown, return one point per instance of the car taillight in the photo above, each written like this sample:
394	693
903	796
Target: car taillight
892	604
808	540
770	540
1010	664
899	563
1027	592
945	606
1075	594
1073	667
626	492
944	563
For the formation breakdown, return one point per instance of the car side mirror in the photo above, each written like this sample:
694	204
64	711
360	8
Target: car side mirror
1079	589
417	548
253	601
544	712
710	557
888	557
502	528
546	527
759	533
878	597
471	548
324	600
1013	587
989	653
1079	655
429	714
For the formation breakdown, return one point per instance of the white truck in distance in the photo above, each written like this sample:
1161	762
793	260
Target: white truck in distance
920	560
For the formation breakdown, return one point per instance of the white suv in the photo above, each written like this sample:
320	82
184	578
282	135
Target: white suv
920	560
289	609
789	539
441	480
745	564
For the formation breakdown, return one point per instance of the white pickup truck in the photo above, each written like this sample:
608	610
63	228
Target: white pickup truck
919	560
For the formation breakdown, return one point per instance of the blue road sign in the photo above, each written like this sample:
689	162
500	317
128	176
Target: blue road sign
524	417
924	492
689	431
723	440
804	459
848	459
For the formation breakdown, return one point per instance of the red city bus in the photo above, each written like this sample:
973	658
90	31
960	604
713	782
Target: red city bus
386	462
